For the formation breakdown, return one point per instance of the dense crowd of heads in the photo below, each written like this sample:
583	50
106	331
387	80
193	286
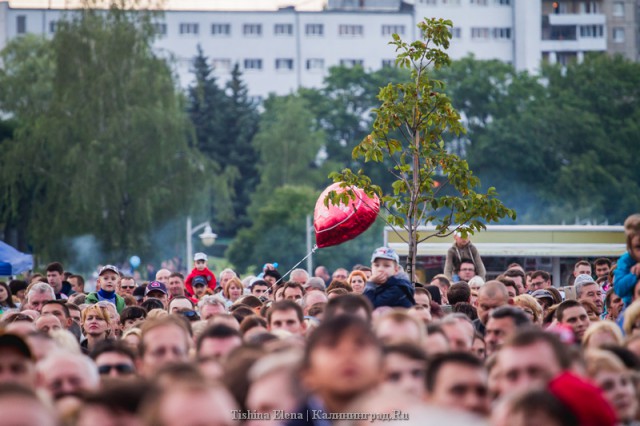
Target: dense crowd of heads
358	346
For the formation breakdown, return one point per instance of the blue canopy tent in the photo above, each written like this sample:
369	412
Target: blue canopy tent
13	262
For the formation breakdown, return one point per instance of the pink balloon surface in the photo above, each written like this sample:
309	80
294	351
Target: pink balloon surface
335	224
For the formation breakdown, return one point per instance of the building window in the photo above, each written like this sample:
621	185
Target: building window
429	2
351	30
191	28
159	29
618	9
220	29
314	30
592	31
253	64
480	33
392	29
53	26
618	35
451	2
283	29
350	63
480	2
315	64
221	64
252	29
21	24
503	2
284	64
456	32
589	7
502	33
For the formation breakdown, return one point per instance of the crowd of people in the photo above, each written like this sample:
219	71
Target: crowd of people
351	348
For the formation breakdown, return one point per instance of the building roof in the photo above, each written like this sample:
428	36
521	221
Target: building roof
179	5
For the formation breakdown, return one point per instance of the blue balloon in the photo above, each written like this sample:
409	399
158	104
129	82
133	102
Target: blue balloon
134	261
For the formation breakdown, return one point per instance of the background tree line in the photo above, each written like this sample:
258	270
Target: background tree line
99	140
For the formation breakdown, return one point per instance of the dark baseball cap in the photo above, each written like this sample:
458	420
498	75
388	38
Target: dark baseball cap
199	280
8	340
156	286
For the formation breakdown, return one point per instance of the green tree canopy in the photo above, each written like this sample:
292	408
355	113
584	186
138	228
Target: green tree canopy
108	154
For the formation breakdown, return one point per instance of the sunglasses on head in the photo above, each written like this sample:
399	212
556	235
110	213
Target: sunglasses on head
120	368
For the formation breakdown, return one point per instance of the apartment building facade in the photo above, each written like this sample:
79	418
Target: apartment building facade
287	48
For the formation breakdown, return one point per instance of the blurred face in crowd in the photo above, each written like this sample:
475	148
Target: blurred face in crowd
163	345
345	367
176	305
293	293
461	386
603	270
357	284
467	271
391	330
225	277
576	317
286	320
114	364
582	270
538	283
48	323
209	310
36	300
25	411
404	374
593	293
497	331
340	274
57	311
109	281
615	306
619	391
163	276
16	368
76	286
460	335
525	367
175	286
384	267
272	392
127	285
55	278
259	290
486	303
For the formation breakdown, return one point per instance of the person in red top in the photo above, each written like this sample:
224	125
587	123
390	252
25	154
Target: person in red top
200	269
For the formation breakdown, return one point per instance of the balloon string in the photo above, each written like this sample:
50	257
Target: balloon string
313	250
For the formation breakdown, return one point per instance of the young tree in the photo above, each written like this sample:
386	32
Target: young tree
430	184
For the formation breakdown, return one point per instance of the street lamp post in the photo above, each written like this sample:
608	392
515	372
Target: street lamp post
208	238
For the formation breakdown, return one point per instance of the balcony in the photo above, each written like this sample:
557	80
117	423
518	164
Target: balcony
577	19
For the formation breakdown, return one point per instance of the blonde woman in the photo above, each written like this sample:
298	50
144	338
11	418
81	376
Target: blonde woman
530	306
602	333
96	324
609	373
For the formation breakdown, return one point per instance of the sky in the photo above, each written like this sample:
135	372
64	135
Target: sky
183	4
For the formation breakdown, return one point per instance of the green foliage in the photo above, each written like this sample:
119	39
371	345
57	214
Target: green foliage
558	146
430	184
287	146
106	140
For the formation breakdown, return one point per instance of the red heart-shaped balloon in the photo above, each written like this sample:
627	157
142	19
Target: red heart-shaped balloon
335	224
